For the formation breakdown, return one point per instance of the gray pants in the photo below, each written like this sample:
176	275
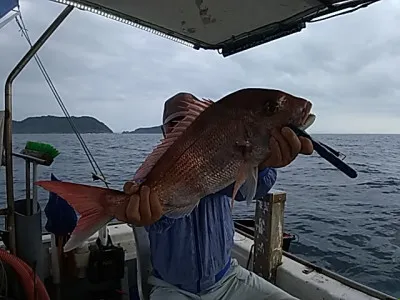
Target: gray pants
238	283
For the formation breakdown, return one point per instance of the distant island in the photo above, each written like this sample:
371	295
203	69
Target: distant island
53	124
146	130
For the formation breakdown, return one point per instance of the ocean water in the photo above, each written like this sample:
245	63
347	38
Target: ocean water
350	226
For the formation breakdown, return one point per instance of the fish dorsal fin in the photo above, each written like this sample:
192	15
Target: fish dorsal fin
193	108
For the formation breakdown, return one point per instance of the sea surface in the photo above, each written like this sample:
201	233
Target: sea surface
350	226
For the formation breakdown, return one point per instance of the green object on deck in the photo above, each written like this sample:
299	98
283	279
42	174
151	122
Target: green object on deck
43	151
43	148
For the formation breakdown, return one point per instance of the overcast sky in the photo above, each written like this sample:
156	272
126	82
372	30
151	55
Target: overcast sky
347	66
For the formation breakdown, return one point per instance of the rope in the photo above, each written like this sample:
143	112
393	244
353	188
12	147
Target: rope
92	161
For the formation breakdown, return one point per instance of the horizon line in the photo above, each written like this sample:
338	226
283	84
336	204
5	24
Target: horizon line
349	133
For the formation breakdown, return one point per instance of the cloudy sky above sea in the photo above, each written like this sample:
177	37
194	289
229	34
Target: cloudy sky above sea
347	66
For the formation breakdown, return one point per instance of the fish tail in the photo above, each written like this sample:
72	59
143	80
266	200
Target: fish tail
88	202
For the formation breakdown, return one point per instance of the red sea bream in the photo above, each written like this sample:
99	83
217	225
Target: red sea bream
215	145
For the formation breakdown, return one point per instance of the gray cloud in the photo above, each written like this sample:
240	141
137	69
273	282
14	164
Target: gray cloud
347	66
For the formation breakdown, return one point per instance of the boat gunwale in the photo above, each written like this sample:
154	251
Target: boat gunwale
335	276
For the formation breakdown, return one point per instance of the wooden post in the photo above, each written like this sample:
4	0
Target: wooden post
268	235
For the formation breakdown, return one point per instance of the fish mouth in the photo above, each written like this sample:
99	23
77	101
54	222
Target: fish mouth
307	118
308	122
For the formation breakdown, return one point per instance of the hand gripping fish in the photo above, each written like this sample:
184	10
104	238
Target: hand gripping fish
215	145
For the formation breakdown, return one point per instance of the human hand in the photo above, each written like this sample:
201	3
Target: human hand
284	148
144	207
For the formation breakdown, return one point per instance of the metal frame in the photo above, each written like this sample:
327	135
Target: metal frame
10	222
293	25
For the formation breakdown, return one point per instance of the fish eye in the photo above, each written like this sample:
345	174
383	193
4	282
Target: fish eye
271	107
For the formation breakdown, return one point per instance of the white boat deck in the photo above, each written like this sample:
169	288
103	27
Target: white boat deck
292	276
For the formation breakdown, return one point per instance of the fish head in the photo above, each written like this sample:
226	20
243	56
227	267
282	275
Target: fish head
271	110
280	109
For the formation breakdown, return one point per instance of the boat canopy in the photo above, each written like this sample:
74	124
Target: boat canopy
6	6
229	26
8	11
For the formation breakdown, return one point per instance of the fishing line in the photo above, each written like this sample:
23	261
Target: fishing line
20	22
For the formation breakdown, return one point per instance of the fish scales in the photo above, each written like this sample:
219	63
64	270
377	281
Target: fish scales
204	168
204	144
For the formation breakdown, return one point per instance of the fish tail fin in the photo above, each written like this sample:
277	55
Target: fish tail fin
88	202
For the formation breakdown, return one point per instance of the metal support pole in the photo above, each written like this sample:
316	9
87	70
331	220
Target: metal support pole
28	187
8	120
35	193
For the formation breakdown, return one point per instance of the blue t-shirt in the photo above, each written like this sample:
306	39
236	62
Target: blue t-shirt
194	252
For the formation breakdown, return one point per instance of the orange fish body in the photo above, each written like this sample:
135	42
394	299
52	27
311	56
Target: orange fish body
215	145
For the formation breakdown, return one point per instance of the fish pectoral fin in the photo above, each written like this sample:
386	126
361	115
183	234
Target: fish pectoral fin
181	212
246	179
249	188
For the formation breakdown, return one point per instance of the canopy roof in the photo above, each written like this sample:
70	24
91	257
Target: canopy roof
229	26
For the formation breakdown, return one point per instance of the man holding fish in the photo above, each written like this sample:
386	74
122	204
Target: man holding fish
212	153
191	255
